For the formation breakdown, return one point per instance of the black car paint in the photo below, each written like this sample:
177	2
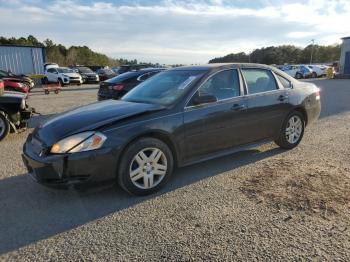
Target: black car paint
193	133
87	77
129	80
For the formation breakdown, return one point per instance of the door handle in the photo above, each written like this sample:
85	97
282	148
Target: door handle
238	107
282	98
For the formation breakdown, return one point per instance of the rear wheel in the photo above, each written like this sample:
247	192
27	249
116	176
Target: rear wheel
314	75
4	126
298	76
145	167
292	131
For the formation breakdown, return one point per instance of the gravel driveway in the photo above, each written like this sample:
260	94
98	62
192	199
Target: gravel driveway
261	204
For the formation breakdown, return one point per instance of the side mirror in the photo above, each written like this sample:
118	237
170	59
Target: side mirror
204	99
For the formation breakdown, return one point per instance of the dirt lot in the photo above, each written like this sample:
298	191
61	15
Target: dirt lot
261	204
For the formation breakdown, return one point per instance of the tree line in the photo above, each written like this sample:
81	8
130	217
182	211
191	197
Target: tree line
74	55
285	54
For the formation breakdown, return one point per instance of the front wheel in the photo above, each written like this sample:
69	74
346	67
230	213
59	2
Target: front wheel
146	165
4	127
292	131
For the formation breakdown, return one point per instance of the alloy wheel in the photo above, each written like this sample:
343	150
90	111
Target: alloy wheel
148	168
294	129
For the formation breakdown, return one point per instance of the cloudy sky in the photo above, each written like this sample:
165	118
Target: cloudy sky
169	31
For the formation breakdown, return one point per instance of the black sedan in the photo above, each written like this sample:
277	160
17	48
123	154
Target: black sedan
87	74
178	117
118	86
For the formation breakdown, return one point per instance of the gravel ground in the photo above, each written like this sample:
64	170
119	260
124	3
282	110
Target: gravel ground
261	204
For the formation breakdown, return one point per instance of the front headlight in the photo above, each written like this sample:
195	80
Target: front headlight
85	141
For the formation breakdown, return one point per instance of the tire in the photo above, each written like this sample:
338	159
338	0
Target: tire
284	140
298	76
4	126
45	81
314	75
133	160
60	81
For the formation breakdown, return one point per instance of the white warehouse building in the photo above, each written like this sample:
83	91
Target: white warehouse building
344	63
22	59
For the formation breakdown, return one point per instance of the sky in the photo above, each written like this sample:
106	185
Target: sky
169	31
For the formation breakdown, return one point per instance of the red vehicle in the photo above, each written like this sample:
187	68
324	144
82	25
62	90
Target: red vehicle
13	84
2	87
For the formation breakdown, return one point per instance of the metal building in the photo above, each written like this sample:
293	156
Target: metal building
22	59
345	57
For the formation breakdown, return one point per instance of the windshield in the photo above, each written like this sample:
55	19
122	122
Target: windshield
64	70
164	88
85	70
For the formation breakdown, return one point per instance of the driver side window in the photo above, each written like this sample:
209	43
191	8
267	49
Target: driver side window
223	85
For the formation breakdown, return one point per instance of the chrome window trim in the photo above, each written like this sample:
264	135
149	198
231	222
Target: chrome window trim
278	80
139	78
217	102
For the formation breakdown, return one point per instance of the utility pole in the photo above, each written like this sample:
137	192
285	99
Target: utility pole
312	50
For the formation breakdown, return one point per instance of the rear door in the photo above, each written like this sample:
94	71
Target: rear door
268	103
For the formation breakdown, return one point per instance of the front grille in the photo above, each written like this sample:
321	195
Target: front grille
74	78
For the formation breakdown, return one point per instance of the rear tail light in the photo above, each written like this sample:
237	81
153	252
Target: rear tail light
2	85
317	93
118	87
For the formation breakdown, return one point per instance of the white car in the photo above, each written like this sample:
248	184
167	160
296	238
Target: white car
62	75
292	70
318	70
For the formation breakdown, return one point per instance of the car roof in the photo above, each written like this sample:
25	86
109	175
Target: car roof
222	65
144	70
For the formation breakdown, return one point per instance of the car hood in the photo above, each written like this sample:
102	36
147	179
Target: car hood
71	74
12	97
88	118
88	74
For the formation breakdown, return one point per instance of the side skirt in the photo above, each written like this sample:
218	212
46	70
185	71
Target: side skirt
225	152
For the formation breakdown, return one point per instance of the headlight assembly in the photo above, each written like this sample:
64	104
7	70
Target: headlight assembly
85	141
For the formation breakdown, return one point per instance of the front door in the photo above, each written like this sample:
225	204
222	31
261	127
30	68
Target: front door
219	125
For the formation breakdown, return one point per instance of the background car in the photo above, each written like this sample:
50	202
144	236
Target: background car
318	70
296	71
178	117
14	84
126	68
105	73
21	78
118	86
62	75
14	111
87	74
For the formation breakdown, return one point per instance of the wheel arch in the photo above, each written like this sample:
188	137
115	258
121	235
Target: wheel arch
157	134
303	112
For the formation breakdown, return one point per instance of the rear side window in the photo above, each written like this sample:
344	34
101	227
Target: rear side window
51	70
259	80
285	82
